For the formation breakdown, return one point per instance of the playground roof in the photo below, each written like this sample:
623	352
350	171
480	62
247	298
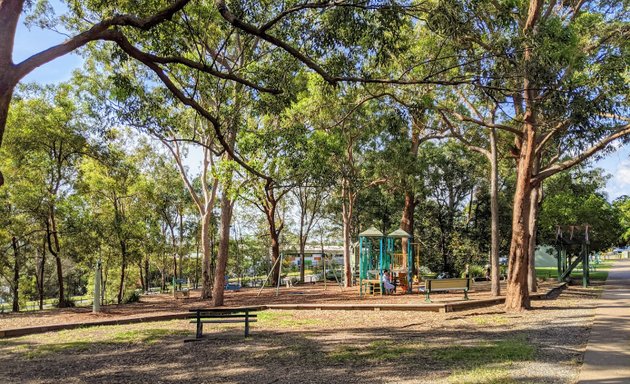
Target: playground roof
399	233
371	232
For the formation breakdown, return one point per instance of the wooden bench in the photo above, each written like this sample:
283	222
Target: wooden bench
202	316
442	285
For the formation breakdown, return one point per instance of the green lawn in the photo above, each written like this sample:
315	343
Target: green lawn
599	274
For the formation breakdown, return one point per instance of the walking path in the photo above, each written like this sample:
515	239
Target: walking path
607	357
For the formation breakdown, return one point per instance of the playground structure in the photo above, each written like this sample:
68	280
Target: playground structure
378	253
573	240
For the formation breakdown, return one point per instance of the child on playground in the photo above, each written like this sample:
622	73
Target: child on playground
387	282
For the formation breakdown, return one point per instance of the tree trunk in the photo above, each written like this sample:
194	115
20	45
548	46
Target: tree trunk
224	246
16	275
302	258
55	249
494	213
40	282
406	223
347	210
146	273
144	287
517	296
275	255
10	11
123	267
206	249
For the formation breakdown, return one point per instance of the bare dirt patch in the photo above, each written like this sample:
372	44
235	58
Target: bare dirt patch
486	345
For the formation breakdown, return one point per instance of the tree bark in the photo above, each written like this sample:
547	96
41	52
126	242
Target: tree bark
517	296
407	222
224	246
16	275
40	282
55	249
123	267
206	249
347	211
494	213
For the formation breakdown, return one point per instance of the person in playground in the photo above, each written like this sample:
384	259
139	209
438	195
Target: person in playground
387	282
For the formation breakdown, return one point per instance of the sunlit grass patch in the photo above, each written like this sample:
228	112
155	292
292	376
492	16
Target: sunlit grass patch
490	320
382	350
284	319
482	375
46	349
485	352
150	335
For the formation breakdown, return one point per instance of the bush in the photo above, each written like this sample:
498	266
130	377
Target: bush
424	270
475	271
66	303
132	297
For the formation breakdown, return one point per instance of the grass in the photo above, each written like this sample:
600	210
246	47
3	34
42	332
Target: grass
284	319
600	274
500	351
490	320
83	339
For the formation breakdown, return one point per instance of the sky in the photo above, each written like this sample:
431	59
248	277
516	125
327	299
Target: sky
31	41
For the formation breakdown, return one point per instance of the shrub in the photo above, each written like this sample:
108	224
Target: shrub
132	297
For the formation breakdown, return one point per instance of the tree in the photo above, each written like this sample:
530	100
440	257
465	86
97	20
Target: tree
560	67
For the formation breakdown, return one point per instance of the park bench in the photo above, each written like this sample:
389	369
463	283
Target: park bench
443	285
202	316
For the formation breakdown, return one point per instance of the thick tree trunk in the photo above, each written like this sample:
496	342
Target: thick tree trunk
224	247
16	275
494	213
206	250
10	11
517	296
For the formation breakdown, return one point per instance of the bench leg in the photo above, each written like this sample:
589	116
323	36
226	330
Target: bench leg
199	326
199	329
427	299
465	294
246	324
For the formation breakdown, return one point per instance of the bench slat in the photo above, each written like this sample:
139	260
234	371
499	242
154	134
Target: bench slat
220	316
224	321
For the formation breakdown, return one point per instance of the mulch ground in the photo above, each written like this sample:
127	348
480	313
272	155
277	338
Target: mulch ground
544	345
162	304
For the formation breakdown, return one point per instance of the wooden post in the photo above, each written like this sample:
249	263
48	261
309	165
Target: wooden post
246	323
96	303
199	325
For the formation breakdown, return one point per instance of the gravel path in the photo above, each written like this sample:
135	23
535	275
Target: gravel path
487	345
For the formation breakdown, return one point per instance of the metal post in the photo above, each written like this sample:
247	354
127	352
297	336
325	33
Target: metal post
96	303
380	265
559	263
409	265
361	266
